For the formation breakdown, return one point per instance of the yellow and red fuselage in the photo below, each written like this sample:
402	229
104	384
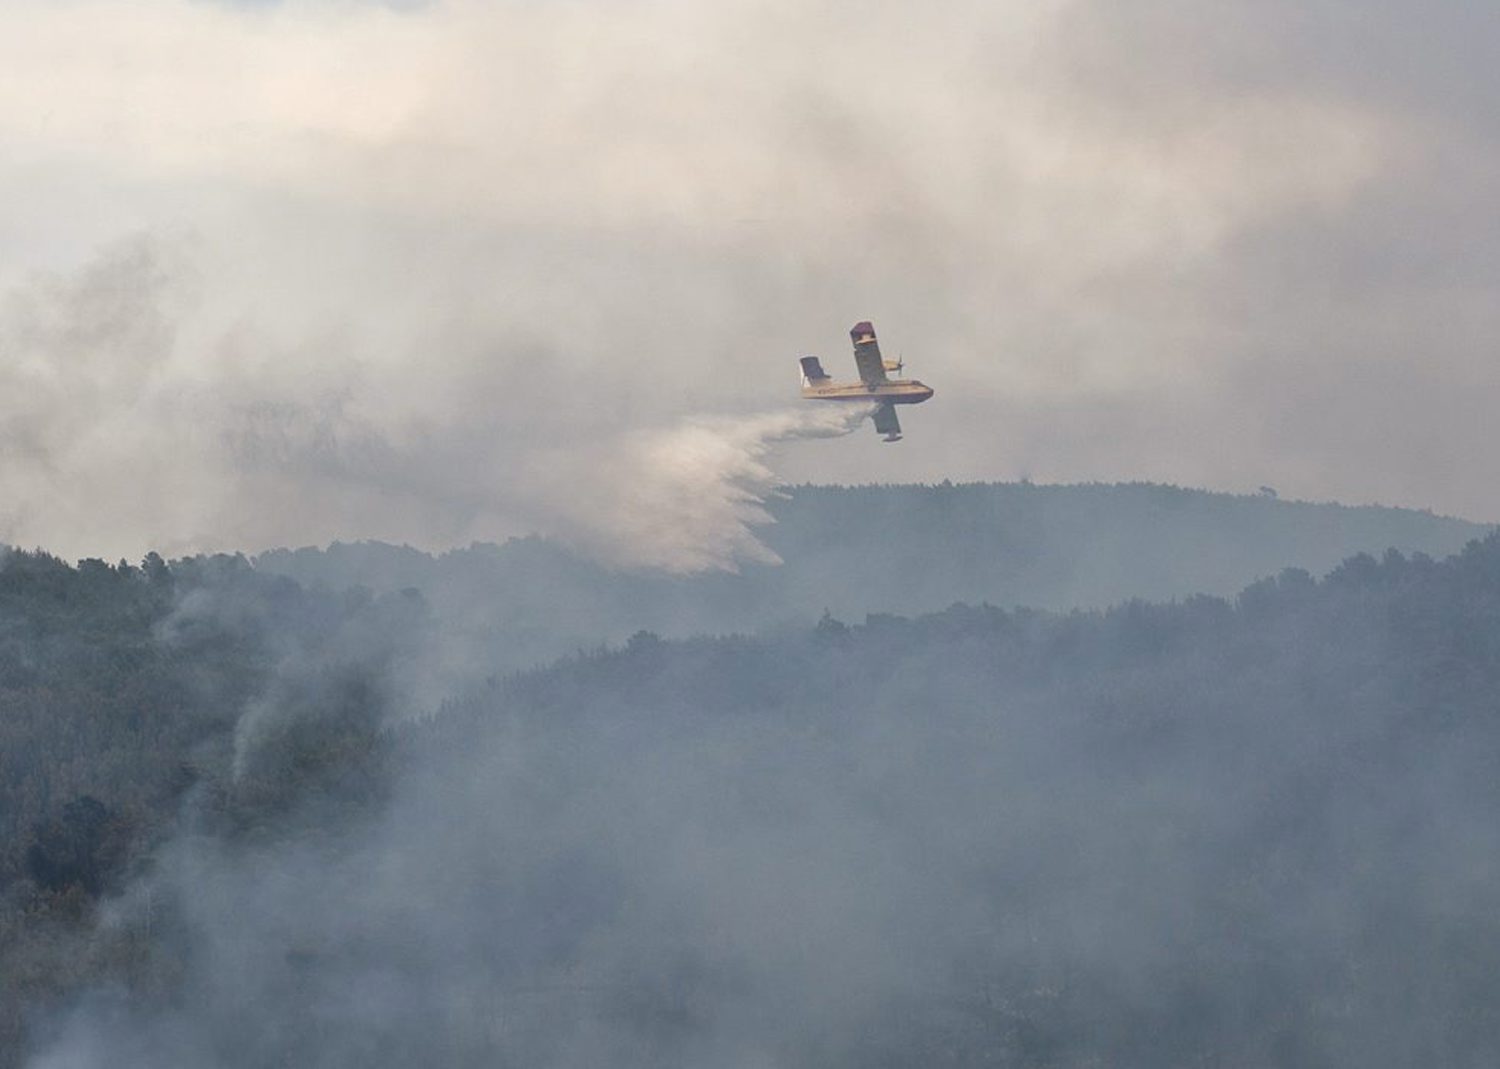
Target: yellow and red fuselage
890	392
874	387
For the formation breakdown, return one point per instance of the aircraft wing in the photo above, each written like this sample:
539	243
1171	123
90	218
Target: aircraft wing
886	423
867	354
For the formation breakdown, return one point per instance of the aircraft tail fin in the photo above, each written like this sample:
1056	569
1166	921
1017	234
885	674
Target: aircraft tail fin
812	370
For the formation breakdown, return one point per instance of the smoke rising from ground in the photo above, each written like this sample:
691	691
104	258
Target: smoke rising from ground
1166	835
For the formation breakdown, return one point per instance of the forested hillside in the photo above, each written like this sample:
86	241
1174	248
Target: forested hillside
909	549
1255	831
125	691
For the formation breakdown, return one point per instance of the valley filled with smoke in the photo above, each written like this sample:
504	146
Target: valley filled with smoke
307	810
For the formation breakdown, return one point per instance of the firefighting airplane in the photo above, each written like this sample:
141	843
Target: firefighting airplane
873	386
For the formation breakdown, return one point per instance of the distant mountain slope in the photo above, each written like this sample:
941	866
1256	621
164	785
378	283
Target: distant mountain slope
916	547
855	550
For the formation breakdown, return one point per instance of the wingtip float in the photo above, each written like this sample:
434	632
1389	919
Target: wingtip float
874	385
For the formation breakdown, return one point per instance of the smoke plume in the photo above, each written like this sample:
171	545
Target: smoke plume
1121	247
685	498
135	417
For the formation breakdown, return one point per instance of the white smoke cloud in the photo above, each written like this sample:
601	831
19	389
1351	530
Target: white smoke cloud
119	439
684	498
431	247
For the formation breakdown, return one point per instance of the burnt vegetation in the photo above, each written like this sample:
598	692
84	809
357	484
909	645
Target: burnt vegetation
1254	829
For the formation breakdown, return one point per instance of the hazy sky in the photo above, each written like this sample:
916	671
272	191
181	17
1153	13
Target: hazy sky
280	273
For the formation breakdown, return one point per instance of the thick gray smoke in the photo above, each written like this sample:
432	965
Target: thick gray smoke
595	889
1121	246
1172	835
122	434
